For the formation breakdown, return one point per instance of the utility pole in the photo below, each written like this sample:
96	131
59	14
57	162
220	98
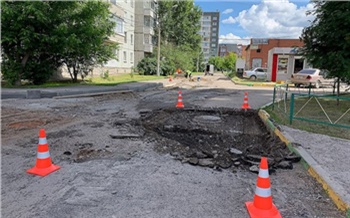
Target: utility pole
158	49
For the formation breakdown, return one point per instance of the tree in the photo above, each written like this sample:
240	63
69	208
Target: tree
179	22
217	61
38	37
86	32
230	61
327	39
27	41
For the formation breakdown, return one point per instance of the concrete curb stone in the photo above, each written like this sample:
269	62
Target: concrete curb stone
332	188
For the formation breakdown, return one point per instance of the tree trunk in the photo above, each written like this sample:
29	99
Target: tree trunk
75	74
69	70
23	64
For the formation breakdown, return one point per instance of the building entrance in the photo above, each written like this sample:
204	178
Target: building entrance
298	65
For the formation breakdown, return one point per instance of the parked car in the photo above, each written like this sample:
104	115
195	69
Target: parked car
313	77
256	73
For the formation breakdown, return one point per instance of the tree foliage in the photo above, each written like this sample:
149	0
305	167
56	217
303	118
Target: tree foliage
179	25
230	62
38	37
173	57
224	63
147	66
217	61
327	39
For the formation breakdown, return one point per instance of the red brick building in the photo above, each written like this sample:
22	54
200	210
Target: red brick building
257	51
279	56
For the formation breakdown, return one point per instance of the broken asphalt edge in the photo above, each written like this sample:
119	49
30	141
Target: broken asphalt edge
93	94
332	188
127	90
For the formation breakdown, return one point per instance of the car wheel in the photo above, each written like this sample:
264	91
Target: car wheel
252	77
317	84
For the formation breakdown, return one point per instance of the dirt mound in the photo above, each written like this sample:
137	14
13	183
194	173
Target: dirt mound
216	138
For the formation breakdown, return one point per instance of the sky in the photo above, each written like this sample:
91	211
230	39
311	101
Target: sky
241	20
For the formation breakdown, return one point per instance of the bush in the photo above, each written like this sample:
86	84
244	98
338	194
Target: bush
148	66
11	71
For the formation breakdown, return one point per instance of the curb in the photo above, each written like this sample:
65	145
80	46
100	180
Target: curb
93	94
254	84
313	168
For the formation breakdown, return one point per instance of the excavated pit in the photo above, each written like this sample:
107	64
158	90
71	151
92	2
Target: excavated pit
216	138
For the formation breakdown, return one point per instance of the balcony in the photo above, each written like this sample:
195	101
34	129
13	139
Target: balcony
148	48
148	30
149	12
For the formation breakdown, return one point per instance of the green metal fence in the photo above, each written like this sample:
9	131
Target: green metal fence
313	105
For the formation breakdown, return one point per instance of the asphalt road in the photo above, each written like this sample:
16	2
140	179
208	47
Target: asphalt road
104	176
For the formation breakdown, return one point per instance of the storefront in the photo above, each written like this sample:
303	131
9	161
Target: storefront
283	62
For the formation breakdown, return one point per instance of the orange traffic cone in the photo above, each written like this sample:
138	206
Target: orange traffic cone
43	164
245	102
262	207
179	101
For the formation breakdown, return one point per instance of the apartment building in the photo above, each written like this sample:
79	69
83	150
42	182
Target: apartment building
209	31
145	19
124	15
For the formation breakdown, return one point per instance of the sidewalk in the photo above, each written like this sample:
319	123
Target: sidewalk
325	158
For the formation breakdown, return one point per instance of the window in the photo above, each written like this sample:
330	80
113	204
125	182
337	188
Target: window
119	28
213	34
132	20
125	37
124	56
215	23
131	57
213	40
148	21
132	39
214	29
213	45
215	18
206	23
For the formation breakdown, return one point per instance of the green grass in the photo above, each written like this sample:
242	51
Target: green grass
243	81
123	78
313	111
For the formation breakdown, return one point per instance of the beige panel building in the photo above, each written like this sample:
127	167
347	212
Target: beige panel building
124	15
145	18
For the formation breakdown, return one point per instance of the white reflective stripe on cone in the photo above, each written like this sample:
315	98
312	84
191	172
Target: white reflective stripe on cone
264	173
43	155
42	141
180	100
263	192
